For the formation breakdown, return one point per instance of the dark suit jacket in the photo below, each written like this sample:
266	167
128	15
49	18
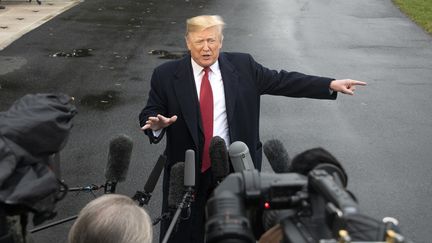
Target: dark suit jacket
173	92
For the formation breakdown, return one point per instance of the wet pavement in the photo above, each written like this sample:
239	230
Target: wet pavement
19	17
382	135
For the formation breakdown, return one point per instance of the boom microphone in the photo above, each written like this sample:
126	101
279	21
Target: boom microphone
143	197
240	157
176	184
119	156
155	174
189	168
277	156
219	158
179	197
279	160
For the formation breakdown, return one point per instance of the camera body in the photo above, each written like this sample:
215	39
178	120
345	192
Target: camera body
312	208
234	212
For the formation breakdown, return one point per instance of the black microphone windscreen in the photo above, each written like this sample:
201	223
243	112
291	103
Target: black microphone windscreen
155	174
308	160
277	156
189	171
240	157
176	187
219	158
119	155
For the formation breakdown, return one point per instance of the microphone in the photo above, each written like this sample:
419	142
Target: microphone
219	158
176	190
119	156
319	158
155	174
240	157
189	169
143	197
277	156
176	184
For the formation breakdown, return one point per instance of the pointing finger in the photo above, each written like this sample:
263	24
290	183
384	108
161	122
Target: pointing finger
356	82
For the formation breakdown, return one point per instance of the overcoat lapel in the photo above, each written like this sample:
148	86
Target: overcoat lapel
231	81
187	97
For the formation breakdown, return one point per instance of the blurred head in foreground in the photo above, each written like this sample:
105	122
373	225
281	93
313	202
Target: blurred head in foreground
112	218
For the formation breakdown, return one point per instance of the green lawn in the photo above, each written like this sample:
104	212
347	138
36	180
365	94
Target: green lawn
418	10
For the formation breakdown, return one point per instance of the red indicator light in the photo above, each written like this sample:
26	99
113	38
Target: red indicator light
267	205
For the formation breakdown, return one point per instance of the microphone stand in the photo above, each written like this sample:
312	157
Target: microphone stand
185	203
89	188
61	221
110	187
142	197
164	216
37	229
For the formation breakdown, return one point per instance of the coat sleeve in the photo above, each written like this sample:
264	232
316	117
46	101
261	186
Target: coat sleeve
156	104
291	84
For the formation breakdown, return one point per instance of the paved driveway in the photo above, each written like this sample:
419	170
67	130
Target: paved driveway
382	135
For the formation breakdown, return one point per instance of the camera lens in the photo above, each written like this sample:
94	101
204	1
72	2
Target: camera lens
227	221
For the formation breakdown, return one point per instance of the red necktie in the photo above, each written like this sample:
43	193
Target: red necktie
206	106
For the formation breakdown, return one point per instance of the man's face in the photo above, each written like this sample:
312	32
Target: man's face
205	45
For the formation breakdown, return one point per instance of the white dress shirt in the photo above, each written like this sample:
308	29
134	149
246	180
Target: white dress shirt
220	122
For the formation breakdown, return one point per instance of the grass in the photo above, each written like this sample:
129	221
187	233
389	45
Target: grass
420	11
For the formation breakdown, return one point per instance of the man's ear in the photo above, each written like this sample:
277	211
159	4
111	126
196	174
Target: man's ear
187	42
221	37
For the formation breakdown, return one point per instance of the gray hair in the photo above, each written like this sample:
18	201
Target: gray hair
112	218
203	22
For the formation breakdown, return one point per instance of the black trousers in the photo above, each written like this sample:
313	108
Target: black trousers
5	236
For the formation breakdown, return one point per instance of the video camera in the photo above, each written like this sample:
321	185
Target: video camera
312	208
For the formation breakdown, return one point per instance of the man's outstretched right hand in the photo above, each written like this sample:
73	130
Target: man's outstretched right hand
158	122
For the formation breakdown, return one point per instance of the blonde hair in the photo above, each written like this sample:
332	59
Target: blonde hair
203	22
112	218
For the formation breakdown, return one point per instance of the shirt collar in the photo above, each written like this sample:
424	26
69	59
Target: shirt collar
197	69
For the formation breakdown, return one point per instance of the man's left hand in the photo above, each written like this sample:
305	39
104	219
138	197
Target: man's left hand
346	86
